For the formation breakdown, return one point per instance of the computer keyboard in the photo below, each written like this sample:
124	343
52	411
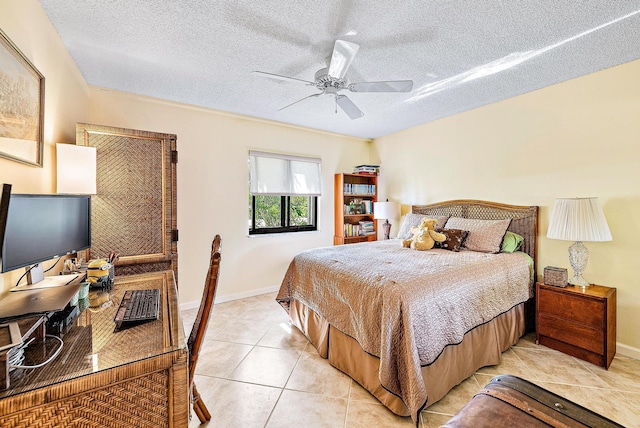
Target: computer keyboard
138	305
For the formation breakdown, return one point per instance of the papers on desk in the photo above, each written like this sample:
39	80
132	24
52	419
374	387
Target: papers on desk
47	282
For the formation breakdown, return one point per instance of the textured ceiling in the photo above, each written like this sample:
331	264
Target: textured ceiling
460	54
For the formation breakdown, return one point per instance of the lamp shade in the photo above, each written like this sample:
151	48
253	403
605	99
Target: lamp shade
578	219
75	169
386	210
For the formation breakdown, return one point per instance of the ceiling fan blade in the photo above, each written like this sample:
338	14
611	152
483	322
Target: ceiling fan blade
387	86
343	54
296	102
280	77
349	107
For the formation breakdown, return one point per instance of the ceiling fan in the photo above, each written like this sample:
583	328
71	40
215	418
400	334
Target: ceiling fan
331	80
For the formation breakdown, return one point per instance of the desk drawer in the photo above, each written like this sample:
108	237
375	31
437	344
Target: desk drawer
572	333
582	310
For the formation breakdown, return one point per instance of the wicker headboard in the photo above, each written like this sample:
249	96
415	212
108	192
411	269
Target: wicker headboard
524	220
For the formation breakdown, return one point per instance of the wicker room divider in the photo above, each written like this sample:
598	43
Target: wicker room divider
134	210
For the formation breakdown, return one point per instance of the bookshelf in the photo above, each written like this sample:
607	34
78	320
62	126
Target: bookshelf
354	197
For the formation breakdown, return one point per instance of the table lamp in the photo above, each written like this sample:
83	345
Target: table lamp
578	219
75	169
386	210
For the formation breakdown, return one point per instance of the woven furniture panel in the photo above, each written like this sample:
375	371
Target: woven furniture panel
134	210
140	402
127	211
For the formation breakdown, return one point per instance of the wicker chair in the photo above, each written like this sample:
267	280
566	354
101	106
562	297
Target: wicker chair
200	327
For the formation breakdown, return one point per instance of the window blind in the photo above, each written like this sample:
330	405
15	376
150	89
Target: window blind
284	175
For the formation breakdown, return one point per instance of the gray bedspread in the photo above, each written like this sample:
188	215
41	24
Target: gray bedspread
405	306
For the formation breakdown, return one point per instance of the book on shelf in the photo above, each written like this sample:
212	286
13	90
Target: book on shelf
362	228
359	189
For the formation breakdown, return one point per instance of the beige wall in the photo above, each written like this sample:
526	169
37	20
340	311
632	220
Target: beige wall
66	98
578	138
213	183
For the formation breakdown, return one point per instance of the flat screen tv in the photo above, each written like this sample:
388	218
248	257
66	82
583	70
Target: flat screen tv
37	228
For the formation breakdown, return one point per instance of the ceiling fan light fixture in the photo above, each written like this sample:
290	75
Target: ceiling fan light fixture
331	80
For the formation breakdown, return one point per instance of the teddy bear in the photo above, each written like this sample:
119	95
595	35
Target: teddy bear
424	236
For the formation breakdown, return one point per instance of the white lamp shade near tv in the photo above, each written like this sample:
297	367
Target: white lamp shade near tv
75	169
578	219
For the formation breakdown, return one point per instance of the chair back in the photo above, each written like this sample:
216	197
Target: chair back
208	296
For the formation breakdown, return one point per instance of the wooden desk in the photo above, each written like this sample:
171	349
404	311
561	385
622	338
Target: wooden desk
137	376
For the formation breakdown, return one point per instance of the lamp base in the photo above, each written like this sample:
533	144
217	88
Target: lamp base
578	257
578	281
386	228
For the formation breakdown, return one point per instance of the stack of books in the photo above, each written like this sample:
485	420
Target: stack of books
367	169
366	228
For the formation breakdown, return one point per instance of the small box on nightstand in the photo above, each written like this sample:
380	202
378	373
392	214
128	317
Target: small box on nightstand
555	276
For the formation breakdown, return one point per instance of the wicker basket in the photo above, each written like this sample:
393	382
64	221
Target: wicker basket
555	276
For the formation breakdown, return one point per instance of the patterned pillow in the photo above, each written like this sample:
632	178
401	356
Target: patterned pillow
455	239
484	235
413	220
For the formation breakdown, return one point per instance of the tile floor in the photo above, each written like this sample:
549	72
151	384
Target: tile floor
255	370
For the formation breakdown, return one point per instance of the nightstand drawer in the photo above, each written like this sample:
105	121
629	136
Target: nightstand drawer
572	333
573	307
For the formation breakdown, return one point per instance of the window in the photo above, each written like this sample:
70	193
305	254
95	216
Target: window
283	193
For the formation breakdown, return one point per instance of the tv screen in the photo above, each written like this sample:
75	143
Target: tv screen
42	227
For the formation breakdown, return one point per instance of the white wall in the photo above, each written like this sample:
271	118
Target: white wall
213	186
66	98
575	139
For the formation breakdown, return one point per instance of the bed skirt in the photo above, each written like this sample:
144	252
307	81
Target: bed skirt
482	346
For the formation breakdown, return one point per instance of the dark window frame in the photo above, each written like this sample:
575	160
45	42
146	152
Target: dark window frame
285	217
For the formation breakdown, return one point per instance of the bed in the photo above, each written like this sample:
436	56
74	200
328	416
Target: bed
409	325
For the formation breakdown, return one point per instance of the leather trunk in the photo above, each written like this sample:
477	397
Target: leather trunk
508	401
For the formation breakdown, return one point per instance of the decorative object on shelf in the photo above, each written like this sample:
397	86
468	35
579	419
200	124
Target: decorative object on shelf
356	206
555	276
75	169
386	210
367	169
22	112
578	219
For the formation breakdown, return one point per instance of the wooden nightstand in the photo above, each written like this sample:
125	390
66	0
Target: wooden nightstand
578	321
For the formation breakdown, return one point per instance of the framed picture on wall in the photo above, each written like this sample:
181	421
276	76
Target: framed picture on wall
21	106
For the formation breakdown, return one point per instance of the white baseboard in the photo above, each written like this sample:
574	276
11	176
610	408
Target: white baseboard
229	297
627	351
